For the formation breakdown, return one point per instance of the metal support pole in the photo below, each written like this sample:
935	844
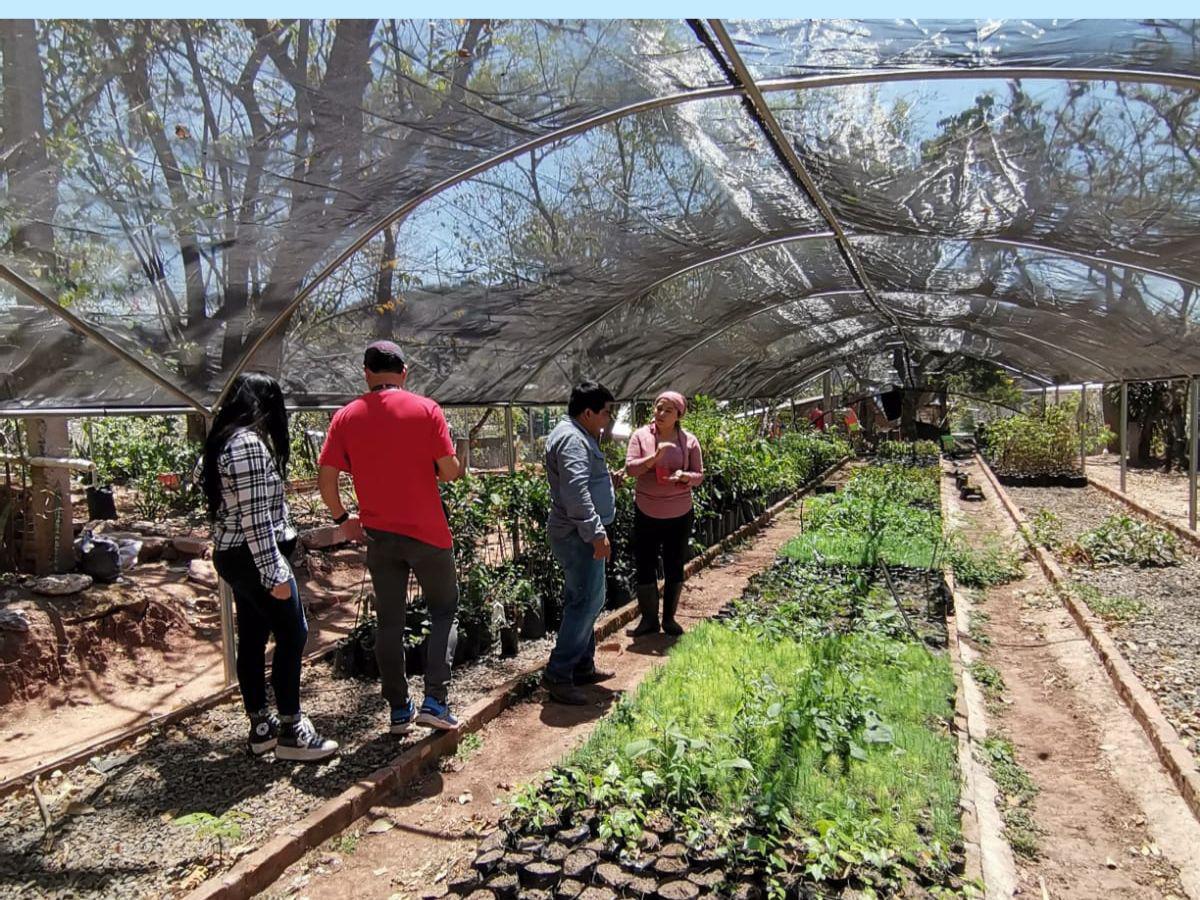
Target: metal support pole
1124	431
1194	441
1083	419
532	439
1056	395
512	468
827	394
1045	401
228	643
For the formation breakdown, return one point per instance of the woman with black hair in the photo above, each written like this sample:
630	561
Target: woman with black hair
242	470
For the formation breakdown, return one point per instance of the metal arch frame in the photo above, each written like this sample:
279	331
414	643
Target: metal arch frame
91	333
642	293
826	80
976	332
799	172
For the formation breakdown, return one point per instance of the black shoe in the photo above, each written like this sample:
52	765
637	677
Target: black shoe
593	677
564	692
647	597
264	732
299	741
671	594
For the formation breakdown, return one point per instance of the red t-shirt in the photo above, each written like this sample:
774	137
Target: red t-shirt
388	441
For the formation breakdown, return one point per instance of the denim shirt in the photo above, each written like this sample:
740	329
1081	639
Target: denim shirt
581	492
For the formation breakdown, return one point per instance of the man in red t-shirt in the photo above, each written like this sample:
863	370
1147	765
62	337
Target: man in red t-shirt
396	446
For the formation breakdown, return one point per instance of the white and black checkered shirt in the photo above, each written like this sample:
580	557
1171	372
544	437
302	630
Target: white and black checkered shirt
253	510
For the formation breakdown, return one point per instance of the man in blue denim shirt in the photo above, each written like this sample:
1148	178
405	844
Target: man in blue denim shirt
582	504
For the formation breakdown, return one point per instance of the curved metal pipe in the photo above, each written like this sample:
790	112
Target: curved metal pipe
96	336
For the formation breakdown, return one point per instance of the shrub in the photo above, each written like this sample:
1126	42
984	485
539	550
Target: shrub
1044	442
1125	540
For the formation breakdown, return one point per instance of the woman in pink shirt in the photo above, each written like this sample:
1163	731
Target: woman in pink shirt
666	462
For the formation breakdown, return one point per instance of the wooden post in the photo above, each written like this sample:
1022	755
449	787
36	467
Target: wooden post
795	418
228	641
1124	430
51	533
827	394
532	439
510	439
1194	440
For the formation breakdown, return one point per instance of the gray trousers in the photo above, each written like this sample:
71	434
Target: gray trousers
390	559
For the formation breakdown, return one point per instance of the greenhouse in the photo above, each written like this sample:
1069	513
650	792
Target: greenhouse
925	293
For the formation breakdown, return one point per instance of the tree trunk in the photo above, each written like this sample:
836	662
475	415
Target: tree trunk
32	178
51	528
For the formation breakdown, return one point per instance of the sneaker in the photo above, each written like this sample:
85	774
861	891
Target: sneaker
299	741
264	732
436	715
564	692
402	717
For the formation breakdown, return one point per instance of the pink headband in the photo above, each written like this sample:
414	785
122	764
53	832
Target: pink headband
675	399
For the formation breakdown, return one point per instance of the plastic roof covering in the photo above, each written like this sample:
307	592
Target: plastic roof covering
726	207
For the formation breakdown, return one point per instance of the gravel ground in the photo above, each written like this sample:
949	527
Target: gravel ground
112	834
1163	642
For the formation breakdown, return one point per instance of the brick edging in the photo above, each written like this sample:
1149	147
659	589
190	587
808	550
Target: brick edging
260	868
1156	517
1163	737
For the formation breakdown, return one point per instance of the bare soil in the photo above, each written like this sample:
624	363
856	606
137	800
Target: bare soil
1110	822
100	662
412	845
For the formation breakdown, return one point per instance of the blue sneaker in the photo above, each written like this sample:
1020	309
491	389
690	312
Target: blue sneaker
436	715
402	717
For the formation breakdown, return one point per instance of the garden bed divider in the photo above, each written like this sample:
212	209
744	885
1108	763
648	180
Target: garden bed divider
989	858
1163	737
260	868
1157	518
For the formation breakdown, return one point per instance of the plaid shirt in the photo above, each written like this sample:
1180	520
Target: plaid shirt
253	510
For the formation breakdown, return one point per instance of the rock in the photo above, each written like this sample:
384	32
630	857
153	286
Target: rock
186	545
579	864
539	875
62	585
13	620
201	572
149	528
323	537
152	549
678	890
612	875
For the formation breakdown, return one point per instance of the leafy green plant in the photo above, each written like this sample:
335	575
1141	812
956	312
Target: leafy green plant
995	562
1128	541
988	678
225	827
1044	441
1019	791
1047	529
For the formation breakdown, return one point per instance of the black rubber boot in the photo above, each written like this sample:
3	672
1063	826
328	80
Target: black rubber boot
671	594
647	596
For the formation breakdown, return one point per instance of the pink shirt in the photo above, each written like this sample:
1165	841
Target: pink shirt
657	496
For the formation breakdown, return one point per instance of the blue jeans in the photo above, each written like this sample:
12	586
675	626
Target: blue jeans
583	599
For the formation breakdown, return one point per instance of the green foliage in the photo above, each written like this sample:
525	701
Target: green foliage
225	827
1019	792
1110	608
995	562
1042	442
1128	541
887	512
129	448
988	678
911	452
1047	529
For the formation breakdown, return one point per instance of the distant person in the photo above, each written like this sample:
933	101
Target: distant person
242	471
396	446
582	506
667	464
816	417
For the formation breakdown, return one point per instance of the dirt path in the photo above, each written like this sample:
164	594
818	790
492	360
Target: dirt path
1111	822
139	683
411	846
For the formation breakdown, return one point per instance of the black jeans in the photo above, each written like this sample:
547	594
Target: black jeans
259	616
666	537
